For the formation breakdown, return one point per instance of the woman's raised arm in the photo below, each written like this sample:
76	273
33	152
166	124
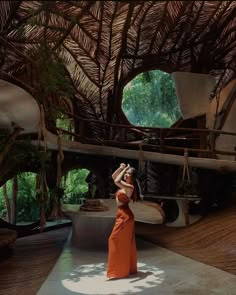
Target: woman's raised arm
118	170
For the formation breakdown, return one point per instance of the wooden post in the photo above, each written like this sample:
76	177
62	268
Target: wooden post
161	141
201	124
122	134
81	128
7	203
212	143
14	197
186	209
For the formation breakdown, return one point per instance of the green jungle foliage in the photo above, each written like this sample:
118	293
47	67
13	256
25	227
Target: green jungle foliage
74	185
27	207
150	100
64	123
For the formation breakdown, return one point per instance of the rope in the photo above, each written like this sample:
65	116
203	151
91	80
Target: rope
186	172
42	128
141	168
141	158
42	175
186	167
60	158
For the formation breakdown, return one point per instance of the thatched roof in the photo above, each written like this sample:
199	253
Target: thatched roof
104	44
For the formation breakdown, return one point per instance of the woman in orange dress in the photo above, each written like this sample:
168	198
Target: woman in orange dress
122	256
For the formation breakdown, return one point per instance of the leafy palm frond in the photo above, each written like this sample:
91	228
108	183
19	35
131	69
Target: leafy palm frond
103	44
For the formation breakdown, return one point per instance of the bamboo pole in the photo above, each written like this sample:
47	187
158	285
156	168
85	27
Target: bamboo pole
155	146
150	129
90	149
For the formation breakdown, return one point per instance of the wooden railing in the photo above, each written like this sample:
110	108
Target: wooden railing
143	136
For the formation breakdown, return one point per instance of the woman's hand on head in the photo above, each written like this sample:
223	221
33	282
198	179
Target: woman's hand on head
122	165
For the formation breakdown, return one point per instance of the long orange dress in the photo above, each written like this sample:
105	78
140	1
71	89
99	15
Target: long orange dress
122	256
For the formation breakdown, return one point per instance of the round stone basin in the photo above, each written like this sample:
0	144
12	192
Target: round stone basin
91	229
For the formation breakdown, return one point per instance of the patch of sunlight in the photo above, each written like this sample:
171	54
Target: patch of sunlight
91	279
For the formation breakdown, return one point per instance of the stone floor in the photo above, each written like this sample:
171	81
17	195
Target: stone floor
80	271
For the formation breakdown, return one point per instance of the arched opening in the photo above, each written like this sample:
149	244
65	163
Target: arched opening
150	100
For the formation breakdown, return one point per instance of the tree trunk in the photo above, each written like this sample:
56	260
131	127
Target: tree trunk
7	203
37	182
14	197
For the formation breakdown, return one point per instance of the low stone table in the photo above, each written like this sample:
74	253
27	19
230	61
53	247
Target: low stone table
92	229
184	218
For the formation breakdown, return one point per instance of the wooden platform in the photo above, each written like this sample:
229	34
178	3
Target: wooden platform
30	262
212	241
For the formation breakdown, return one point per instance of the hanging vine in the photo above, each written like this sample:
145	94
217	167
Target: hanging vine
42	188
57	193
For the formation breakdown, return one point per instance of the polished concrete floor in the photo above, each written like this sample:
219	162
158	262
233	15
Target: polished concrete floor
82	271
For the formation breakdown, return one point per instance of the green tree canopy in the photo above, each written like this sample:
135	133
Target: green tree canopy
150	100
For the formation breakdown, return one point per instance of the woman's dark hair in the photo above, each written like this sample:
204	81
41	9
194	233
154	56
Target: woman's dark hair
134	175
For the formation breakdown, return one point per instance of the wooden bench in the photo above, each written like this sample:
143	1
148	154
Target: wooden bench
183	218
